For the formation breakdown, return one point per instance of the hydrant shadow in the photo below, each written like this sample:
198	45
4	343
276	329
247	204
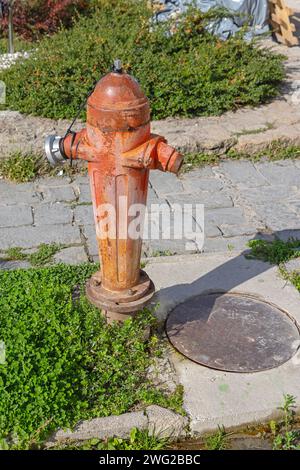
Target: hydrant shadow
228	276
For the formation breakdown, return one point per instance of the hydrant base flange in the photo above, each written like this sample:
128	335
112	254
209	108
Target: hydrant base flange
127	301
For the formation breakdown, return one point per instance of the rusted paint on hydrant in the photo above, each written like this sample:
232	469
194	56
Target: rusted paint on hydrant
120	150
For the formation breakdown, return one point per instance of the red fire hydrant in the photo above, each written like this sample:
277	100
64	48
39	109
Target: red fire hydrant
120	150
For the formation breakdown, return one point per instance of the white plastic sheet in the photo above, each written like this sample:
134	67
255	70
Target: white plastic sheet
253	12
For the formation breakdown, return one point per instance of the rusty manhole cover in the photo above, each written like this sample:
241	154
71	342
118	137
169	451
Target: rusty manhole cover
232	332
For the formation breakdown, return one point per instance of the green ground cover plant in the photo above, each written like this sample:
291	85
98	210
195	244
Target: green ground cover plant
284	434
41	257
278	252
187	73
62	362
274	252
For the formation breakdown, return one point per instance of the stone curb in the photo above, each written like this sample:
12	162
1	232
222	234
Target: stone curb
157	420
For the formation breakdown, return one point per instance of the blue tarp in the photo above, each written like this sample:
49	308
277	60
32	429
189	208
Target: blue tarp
253	12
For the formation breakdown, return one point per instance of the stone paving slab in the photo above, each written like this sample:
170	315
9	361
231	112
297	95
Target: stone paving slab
214	398
29	236
242	201
72	255
157	421
15	216
52	214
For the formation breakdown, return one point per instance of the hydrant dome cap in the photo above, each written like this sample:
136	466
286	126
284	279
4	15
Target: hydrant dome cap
117	91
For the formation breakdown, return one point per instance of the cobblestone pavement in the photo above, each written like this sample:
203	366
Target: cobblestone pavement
246	129
242	200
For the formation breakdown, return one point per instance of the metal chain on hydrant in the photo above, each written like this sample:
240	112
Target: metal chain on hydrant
80	108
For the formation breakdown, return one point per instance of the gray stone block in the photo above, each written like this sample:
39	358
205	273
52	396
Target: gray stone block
293	266
269	194
50	214
211	230
242	173
14	194
230	216
278	216
165	183
206	172
72	255
221	244
236	230
89	233
165	423
169	247
81	179
84	215
60	194
12	265
278	173
194	185
15	216
83	192
102	428
217	200
53	182
29	237
153	198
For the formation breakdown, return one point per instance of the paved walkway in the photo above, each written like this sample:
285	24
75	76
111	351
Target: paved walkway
214	398
241	199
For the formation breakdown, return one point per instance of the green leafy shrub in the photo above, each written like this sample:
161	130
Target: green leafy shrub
188	73
62	362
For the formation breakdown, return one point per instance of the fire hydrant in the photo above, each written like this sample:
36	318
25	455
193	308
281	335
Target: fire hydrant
120	151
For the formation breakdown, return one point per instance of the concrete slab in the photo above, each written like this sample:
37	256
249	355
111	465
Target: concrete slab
212	397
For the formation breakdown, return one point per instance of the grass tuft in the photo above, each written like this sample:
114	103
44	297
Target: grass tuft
274	252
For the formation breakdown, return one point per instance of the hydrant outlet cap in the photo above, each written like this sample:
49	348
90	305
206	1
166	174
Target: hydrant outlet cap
53	150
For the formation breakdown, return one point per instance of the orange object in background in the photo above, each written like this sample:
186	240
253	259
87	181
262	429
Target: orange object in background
120	150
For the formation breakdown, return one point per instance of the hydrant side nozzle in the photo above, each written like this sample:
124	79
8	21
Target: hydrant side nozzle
168	159
54	149
71	144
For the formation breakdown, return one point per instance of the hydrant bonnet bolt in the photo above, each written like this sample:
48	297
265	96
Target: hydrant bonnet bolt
54	149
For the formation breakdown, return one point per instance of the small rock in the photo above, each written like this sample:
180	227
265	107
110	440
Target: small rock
165	423
101	428
72	255
12	265
293	266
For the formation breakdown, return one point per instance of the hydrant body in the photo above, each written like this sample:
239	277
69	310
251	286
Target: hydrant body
120	150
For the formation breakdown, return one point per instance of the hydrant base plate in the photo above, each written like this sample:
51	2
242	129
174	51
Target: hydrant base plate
233	332
126	301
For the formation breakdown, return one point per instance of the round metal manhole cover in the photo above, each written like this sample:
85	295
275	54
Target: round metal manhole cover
232	332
